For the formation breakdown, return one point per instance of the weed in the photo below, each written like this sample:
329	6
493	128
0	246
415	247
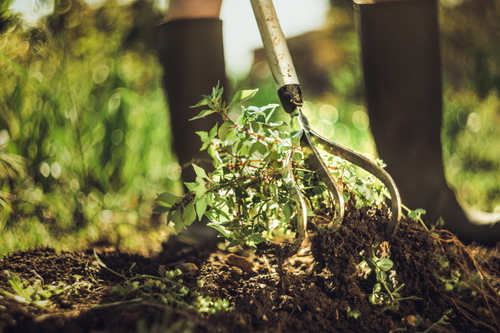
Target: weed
442	321
416	215
32	294
386	290
37	293
166	289
355	314
249	197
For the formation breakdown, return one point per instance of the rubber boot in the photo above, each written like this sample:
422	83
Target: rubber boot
400	56
192	55
191	52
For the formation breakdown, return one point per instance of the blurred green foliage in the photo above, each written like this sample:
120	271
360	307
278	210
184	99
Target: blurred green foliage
80	101
84	130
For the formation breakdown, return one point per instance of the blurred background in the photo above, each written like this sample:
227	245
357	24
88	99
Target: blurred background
84	127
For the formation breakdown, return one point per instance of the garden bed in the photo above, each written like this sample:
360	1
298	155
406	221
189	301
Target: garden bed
435	284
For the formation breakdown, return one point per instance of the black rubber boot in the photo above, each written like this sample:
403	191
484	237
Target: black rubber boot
402	74
191	52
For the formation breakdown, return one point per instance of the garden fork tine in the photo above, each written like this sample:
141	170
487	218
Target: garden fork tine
290	95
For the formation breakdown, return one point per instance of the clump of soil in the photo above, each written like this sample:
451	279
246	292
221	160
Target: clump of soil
443	286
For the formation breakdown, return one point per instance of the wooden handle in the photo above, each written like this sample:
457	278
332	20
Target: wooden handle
274	42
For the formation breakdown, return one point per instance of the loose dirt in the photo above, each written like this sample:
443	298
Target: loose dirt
442	286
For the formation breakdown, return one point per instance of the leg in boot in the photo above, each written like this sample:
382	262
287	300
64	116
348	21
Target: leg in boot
402	74
191	52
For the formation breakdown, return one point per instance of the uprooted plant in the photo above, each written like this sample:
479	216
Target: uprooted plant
248	197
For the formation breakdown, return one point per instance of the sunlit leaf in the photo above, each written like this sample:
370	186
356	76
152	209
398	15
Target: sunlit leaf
200	172
223	129
201	206
203	114
243	95
223	231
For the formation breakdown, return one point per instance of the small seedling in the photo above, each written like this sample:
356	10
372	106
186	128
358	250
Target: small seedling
442	321
416	215
37	293
353	313
26	293
385	291
166	289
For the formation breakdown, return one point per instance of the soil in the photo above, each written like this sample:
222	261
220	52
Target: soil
444	286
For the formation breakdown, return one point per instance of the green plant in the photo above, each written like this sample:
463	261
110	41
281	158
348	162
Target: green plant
386	291
353	313
32	294
37	293
251	196
80	100
246	197
441	321
166	289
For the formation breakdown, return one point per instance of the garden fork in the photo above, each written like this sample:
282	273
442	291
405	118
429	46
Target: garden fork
290	95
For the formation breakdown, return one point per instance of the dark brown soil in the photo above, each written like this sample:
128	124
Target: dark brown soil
321	289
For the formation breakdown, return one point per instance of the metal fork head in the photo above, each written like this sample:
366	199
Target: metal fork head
309	140
285	76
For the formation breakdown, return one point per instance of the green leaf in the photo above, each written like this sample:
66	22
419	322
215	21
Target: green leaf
381	276
256	239
213	131
161	209
385	264
288	211
204	101
16	284
223	231
200	172
198	188
353	313
371	264
243	95
203	114
189	214
417	213
273	125
119	289
233	243
168	198
223	130
178	221
201	206
190	186
253	148
205	139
